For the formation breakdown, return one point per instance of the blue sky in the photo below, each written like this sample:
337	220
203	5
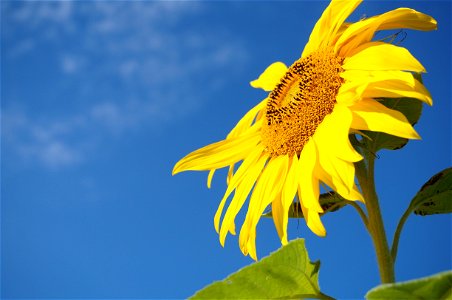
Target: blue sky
99	101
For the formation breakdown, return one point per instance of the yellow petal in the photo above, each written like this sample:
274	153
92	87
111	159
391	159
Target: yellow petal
362	76
363	31
397	89
382	56
369	114
407	18
331	135
347	94
312	218
268	187
278	216
247	120
271	77
308	184
230	173
334	180
209	178
314	223
329	24
380	84
288	194
242	191
242	171
219	154
333	169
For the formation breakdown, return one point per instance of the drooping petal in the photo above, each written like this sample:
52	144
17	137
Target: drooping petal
335	153
308	184
369	114
241	193
312	218
363	31
329	24
277	215
219	154
247	120
209	178
380	84
288	194
331	135
247	164
270	77
314	223
241	127
397	89
268	187
337	184
382	56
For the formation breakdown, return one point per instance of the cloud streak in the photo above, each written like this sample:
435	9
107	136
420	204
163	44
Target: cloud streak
117	62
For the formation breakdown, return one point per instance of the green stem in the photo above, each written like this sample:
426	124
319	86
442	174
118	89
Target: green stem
365	175
395	241
361	213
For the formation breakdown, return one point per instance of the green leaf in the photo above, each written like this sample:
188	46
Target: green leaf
435	196
284	274
436	287
330	202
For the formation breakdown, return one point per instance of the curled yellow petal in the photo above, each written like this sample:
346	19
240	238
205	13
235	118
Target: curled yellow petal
329	24
363	31
219	154
270	77
382	56
380	84
241	193
268	187
236	179
369	114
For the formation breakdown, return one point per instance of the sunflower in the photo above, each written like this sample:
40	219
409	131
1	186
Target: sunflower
298	137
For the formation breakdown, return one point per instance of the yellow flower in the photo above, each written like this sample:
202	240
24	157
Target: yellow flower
298	137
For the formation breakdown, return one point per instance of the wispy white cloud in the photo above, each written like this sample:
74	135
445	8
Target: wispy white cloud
45	143
53	154
71	64
143	46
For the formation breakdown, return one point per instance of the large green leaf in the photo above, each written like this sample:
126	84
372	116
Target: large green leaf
330	202
435	196
438	287
284	274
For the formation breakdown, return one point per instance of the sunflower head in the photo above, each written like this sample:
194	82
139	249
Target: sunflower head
300	101
298	137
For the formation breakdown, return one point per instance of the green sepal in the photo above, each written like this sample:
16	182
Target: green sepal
285	274
435	196
438	286
329	202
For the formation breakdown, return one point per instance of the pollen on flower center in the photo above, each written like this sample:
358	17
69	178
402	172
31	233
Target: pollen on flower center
299	103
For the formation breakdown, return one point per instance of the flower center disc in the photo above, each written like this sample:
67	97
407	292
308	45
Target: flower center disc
300	102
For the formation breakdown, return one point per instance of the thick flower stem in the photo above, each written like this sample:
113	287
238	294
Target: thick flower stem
365	175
